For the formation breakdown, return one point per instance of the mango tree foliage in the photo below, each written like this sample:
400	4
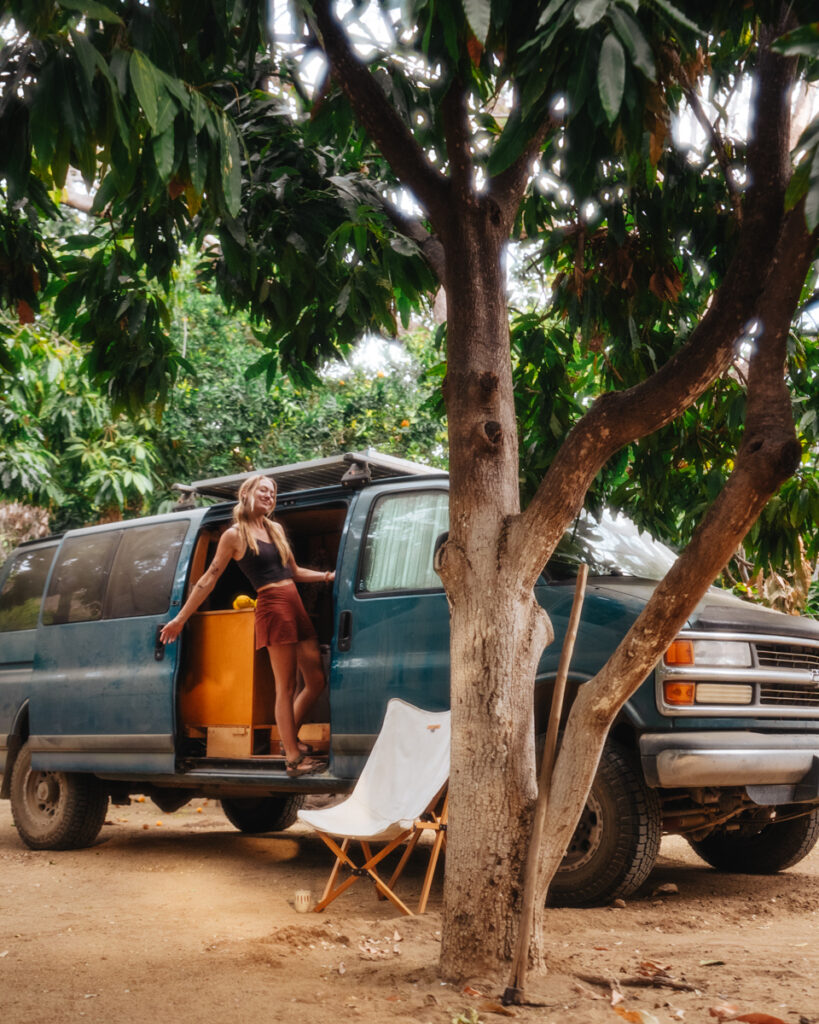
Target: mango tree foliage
63	449
157	107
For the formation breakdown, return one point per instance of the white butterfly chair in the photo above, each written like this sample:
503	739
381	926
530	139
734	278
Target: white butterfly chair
400	793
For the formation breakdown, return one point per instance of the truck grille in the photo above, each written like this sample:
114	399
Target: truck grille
787	656
789	694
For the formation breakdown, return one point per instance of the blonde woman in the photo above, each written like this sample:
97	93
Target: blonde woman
260	548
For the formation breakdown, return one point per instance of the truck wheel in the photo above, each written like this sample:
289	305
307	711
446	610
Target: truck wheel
55	810
263	813
617	839
776	846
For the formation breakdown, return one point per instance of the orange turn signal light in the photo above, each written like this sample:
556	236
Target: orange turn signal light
681	652
679	693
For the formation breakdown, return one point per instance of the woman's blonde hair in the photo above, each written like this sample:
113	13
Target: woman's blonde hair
243	514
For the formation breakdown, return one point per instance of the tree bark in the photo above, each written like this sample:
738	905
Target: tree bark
497	630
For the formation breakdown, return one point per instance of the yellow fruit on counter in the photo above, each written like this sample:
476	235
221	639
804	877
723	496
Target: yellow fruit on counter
243	601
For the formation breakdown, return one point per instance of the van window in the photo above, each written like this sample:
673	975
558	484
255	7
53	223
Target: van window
115	574
22	592
400	542
143	570
77	586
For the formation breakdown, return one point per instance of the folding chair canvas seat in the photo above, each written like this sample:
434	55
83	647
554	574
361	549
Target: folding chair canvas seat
400	794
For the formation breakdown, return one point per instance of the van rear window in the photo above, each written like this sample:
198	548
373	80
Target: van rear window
115	574
144	567
22	592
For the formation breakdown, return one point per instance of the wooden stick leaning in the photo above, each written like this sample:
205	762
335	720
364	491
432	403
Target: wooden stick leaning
514	993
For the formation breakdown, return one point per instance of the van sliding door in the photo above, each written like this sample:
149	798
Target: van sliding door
103	694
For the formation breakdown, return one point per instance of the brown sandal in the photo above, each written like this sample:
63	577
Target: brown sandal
297	767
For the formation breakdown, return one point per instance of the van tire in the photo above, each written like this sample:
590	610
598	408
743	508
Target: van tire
255	814
775	847
616	842
55	810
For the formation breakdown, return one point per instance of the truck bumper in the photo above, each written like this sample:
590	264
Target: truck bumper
773	768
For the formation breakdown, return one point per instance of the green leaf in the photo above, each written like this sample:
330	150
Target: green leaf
677	18
165	112
587	13
550	12
611	76
145	82
163	153
93	10
801	42
479	15
812	198
630	33
197	163
231	166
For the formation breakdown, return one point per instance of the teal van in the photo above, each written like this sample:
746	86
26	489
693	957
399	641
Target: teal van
720	744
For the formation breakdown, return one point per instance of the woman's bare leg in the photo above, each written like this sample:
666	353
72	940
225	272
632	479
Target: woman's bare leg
283	661
308	658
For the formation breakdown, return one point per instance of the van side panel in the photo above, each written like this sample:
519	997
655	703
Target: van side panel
17	651
391	641
100	699
102	691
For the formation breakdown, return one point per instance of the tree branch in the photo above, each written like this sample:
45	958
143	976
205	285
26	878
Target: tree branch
380	120
714	136
618	418
506	188
768	456
457	132
430	245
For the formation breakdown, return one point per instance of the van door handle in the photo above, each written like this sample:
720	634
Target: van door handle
159	647
345	631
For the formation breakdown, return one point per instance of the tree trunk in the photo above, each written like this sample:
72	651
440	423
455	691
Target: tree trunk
498	631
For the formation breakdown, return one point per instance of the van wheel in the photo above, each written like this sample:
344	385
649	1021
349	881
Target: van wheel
617	839
263	813
761	851
55	810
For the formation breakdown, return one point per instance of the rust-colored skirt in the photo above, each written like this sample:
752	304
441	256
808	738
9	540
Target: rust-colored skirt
280	617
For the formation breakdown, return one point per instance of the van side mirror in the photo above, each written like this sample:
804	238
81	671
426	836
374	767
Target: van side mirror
437	551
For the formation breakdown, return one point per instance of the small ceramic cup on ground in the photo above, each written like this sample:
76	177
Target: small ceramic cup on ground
303	901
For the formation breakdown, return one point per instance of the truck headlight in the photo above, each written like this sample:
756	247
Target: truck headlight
728	653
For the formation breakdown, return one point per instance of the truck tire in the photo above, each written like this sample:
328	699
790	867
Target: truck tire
255	814
776	846
55	810
617	839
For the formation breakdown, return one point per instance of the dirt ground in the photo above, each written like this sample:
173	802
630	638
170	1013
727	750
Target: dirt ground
179	918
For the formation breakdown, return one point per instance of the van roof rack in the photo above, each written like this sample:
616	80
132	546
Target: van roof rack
351	469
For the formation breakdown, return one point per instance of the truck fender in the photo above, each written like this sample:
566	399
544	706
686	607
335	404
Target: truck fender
16	738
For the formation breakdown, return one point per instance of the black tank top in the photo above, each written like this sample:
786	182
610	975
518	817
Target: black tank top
266	567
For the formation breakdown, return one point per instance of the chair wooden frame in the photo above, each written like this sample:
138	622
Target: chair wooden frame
434	819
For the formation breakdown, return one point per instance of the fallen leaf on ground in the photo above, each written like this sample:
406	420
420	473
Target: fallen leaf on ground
469	991
650	968
760	1018
666	889
725	1011
636	1016
499	1008
342	969
712	963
